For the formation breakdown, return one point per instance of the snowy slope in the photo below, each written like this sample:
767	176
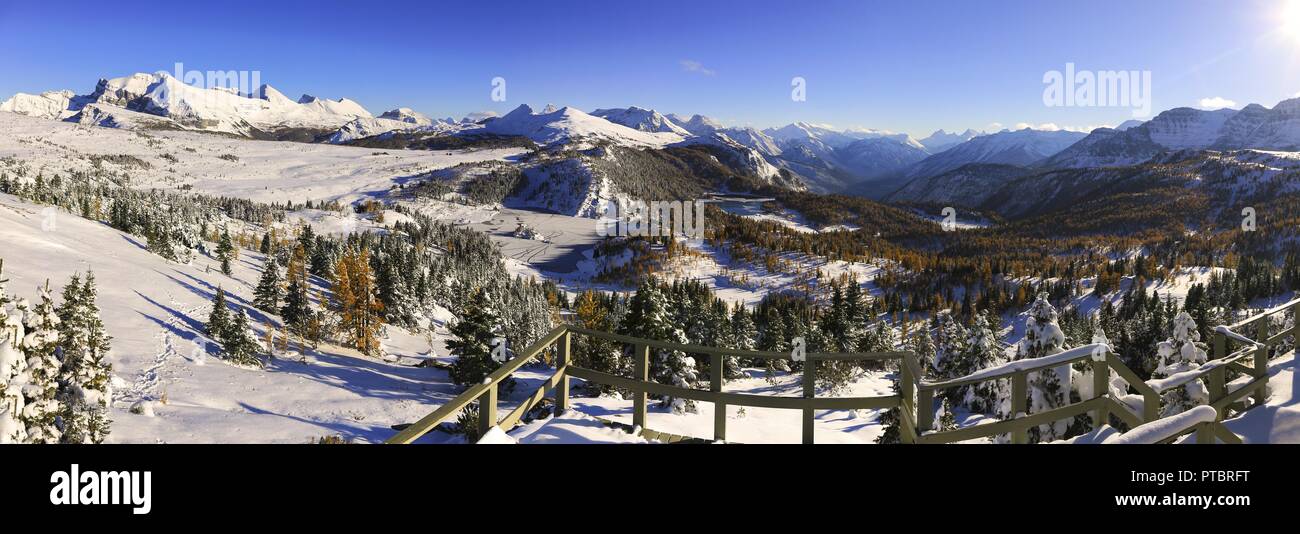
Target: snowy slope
155	310
268	171
48	105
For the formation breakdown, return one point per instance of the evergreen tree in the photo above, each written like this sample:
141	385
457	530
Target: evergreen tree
980	351
219	319
297	311
270	289
648	318
84	388
1049	388
225	251
946	420
473	337
1183	351
239	345
950	343
40	415
13	367
891	420
744	336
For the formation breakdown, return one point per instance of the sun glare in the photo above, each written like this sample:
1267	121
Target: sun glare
1289	23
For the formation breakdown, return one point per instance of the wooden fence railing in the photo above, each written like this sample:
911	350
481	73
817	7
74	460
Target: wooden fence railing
915	399
642	386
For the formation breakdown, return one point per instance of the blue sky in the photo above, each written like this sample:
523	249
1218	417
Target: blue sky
913	68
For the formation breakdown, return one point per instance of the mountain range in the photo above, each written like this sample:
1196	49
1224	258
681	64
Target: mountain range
866	162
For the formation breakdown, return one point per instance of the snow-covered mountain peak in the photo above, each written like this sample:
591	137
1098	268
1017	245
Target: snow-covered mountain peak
942	140
270	94
568	124
696	124
646	120
408	115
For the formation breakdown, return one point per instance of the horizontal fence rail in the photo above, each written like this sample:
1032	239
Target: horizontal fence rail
916	397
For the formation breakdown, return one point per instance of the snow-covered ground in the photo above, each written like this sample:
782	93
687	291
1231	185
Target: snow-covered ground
263	171
1278	421
155	311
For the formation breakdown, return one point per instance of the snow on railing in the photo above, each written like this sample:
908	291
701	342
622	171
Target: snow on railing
1029	364
1227	332
1270	311
1163	429
1161	385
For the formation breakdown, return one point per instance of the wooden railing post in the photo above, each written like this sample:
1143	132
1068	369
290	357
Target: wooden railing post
719	408
1261	359
561	367
1217	384
1019	394
487	410
641	372
906	407
1100	390
809	392
1295	337
924	410
1205	433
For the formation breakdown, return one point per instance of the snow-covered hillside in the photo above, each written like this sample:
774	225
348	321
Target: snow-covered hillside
258	170
155	311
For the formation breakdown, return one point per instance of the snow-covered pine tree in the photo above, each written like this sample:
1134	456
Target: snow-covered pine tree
891	420
84	384
13	366
922	346
219	319
1183	351
950	343
225	251
270	289
981	351
947	420
240	343
648	318
773	338
744	336
840	333
472	341
1049	388
40	415
297	305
